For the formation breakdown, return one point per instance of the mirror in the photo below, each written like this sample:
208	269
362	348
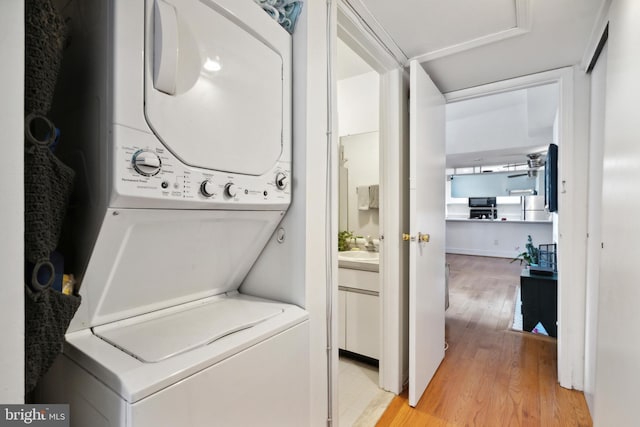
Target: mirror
359	171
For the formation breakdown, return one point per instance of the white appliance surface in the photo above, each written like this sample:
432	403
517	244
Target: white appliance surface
134	379
225	107
149	259
182	132
221	139
266	386
264	382
179	331
179	186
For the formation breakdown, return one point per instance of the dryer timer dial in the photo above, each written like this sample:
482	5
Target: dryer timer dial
207	188
281	180
230	190
146	162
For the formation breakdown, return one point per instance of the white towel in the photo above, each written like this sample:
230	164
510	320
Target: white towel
374	196
363	197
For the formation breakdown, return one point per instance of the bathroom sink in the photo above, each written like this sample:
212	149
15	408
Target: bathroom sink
359	256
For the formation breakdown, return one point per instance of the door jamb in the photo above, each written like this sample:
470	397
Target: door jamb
353	32
570	316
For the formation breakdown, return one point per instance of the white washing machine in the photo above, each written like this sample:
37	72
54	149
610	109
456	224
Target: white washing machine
176	116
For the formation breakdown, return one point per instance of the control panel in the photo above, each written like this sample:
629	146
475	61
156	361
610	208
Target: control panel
153	172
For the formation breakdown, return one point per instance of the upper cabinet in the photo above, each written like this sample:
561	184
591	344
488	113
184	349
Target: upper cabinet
496	184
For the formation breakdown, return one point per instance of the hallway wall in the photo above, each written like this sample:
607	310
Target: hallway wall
618	349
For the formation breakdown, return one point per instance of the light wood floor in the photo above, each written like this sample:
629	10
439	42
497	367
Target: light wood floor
490	376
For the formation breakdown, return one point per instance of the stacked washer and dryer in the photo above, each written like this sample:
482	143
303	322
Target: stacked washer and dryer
176	116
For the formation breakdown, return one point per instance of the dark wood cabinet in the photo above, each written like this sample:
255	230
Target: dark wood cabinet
539	301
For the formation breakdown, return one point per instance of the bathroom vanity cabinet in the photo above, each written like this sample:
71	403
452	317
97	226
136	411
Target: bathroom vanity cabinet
359	312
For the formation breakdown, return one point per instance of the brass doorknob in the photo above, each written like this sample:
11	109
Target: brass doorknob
421	237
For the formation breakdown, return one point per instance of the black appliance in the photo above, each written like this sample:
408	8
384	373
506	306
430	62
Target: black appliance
482	202
483	213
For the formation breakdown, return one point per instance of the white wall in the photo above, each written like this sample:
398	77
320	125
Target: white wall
504	239
521	118
359	104
302	258
618	347
489	130
11	188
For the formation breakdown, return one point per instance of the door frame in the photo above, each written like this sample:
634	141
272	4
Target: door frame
571	248
393	132
393	219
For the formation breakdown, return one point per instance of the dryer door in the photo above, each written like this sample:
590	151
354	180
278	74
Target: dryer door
216	83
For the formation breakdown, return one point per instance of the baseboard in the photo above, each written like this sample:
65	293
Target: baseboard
479	252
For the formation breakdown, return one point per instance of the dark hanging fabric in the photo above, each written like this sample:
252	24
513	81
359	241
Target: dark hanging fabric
47	317
45	34
48	184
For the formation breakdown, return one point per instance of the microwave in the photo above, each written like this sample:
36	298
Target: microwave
482	202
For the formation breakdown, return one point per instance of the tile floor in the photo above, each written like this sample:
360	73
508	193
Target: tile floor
360	401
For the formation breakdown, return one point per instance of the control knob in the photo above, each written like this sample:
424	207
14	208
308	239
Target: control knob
230	189
207	188
146	162
281	180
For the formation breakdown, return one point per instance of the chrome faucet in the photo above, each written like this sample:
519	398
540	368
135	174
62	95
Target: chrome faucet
370	245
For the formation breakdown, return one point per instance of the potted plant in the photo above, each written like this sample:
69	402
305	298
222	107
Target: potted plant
344	238
530	256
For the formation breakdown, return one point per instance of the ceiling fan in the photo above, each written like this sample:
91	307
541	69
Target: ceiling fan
534	161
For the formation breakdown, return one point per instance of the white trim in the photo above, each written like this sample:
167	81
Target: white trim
352	31
391	97
599	25
523	26
570	256
524	82
306	215
523	14
12	190
480	252
369	26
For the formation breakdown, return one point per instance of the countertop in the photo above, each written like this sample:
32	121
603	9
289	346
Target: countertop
517	221
359	265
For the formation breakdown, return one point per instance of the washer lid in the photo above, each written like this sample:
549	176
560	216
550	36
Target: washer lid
156	337
215	85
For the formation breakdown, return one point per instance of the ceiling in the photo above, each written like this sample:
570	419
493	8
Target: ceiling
466	43
502	128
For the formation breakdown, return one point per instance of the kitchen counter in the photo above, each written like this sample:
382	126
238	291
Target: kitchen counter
491	221
495	238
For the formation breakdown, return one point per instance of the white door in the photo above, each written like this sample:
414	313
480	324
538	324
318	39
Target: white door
426	207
